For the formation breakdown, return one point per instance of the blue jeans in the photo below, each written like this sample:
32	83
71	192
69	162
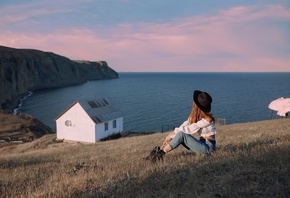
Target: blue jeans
191	143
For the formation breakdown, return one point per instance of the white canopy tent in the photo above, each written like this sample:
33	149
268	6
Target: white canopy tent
281	105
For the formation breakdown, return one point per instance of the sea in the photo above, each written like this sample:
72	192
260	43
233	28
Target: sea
156	102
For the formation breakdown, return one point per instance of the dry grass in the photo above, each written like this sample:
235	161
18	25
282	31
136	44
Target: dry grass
21	127
11	123
252	161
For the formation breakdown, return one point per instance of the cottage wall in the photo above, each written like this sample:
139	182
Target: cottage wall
75	124
100	129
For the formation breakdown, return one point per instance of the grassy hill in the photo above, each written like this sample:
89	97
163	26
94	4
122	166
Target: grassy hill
252	161
21	127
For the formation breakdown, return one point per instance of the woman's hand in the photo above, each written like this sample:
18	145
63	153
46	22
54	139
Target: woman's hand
167	139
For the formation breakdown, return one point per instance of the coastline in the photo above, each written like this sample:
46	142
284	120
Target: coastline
30	69
19	102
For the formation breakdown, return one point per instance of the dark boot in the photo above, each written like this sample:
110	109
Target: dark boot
155	155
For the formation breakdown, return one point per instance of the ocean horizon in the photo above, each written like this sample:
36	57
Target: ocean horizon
156	101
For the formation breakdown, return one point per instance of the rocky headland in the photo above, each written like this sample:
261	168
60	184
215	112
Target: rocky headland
24	70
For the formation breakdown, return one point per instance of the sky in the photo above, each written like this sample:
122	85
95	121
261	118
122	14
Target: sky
155	35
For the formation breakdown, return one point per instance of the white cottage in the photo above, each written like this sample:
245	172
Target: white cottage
89	121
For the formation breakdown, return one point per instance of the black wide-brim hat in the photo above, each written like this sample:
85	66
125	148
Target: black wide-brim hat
203	100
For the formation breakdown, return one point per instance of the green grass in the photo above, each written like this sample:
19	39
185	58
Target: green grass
252	161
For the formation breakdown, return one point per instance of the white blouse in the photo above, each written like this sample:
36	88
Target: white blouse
203	127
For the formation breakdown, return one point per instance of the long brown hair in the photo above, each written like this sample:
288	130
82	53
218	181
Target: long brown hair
197	114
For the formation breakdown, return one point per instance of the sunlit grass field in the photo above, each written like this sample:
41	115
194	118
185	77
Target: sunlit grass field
252	160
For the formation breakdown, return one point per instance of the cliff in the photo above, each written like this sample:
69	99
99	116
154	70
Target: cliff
23	70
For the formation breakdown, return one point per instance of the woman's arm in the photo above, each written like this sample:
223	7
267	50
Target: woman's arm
194	127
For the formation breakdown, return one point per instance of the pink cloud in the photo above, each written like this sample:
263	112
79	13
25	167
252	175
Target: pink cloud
237	39
20	13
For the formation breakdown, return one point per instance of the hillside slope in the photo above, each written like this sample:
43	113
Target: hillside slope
23	70
252	161
21	127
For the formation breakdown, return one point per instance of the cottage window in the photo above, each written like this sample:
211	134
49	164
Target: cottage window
68	123
115	124
93	104
106	126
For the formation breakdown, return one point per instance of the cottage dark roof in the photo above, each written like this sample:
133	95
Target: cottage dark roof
100	110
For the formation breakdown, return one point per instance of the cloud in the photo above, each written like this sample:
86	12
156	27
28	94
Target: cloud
22	13
244	38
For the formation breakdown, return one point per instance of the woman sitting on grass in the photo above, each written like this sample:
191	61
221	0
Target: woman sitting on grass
200	120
